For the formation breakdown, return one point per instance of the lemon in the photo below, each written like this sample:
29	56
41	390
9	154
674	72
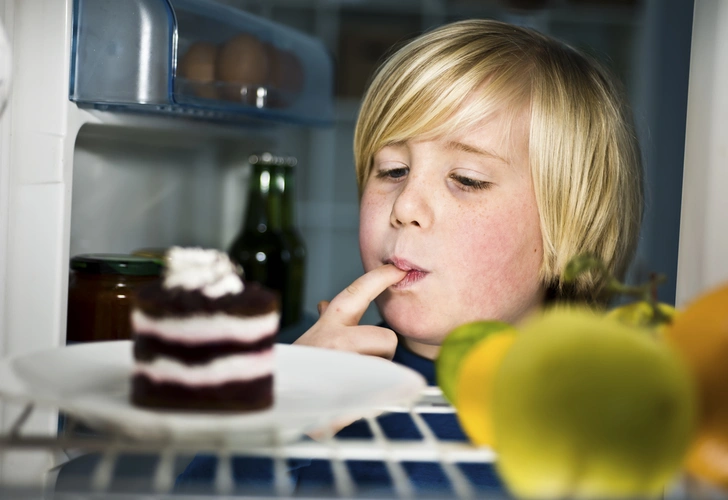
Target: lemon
475	386
642	314
454	348
587	407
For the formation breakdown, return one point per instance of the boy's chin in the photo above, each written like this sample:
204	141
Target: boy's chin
416	329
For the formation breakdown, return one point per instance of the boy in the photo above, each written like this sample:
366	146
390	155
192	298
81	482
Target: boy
487	156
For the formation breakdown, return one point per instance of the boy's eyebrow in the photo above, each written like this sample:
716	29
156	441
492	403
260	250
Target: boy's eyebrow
468	148
394	144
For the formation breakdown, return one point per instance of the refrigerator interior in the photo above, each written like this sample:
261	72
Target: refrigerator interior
136	186
144	189
133	184
646	43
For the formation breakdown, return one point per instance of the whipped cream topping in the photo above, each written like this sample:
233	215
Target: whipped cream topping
210	271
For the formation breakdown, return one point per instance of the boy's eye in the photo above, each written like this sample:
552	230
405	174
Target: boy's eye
392	173
471	184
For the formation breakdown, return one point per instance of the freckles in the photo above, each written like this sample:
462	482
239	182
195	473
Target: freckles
368	208
373	226
493	240
373	200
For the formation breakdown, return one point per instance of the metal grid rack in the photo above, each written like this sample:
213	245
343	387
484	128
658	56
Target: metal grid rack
393	453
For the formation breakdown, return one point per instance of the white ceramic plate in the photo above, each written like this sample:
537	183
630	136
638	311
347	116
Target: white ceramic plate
313	388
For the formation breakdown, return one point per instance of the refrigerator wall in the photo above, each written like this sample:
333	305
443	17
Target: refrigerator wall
703	261
37	127
140	188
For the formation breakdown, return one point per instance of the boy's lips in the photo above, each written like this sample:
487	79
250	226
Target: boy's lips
404	265
414	273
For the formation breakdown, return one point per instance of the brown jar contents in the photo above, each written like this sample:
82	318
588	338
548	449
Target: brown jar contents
101	294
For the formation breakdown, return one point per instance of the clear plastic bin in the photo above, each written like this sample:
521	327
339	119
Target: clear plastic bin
198	59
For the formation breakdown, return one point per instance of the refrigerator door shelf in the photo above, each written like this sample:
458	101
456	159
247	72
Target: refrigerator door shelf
197	59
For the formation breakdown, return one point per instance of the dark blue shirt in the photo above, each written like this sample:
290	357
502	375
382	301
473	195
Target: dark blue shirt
314	477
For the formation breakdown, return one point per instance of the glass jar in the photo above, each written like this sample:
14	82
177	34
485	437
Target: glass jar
101	294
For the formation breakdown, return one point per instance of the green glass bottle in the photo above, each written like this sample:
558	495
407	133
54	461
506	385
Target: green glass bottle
259	246
294	246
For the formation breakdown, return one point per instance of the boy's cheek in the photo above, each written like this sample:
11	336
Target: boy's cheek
365	244
369	242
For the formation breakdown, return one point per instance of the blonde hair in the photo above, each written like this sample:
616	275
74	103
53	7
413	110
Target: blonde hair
584	158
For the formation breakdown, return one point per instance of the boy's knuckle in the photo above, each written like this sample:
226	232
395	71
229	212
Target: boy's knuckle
335	342
392	340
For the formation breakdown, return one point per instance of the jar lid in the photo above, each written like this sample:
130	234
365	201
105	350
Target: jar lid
154	253
109	263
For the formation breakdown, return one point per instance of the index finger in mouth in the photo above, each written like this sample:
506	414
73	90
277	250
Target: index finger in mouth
351	303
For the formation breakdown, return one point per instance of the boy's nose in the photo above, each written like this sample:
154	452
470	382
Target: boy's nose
412	206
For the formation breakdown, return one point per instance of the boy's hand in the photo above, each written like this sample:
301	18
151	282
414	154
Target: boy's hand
338	326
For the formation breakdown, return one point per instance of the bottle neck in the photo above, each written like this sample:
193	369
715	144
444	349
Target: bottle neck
264	205
285	181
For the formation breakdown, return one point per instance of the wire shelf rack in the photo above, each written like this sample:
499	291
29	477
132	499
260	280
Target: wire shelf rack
162	461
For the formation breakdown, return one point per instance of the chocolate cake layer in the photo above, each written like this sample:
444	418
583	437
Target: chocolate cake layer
156	301
256	394
149	347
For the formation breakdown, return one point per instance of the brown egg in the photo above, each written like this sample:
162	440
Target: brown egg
274	72
293	76
276	98
243	66
286	75
198	66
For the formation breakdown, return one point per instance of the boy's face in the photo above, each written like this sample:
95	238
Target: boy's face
460	214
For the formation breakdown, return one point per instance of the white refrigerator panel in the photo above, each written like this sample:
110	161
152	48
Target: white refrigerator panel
703	251
143	188
40	128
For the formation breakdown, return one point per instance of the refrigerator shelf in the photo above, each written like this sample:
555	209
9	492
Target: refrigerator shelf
106	455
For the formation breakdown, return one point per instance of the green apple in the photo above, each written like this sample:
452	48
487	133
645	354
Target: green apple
455	347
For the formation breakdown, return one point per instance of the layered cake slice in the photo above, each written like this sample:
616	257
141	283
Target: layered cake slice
203	340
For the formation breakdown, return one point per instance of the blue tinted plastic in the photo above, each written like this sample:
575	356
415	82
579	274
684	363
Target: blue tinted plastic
198	59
